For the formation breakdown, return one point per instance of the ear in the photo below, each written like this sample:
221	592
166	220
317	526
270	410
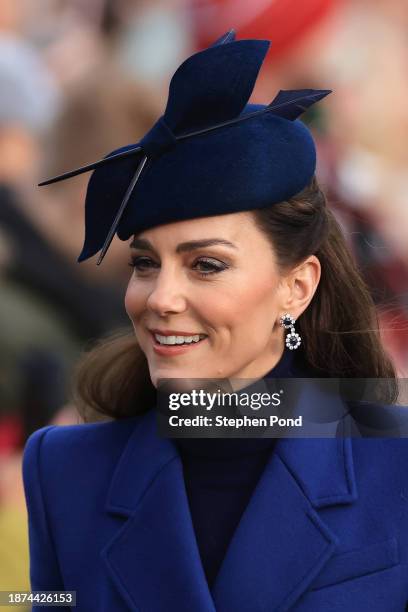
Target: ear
299	286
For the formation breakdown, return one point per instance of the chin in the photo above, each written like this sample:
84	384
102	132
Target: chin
187	373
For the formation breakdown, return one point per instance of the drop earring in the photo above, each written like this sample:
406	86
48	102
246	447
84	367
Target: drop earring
292	339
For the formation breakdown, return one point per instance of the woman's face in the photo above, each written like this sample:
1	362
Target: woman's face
214	280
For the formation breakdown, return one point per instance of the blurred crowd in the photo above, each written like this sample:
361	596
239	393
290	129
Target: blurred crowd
81	77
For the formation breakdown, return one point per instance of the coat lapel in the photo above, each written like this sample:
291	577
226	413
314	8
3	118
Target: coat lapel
280	546
153	558
281	543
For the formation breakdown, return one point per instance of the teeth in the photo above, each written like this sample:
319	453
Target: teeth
178	339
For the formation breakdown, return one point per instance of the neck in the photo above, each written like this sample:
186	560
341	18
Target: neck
238	447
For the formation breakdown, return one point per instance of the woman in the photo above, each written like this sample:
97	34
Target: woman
232	243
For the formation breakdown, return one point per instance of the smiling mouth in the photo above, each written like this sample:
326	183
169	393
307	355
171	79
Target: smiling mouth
170	340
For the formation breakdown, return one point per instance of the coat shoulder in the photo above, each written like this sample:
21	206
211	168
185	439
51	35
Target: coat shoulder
58	451
385	458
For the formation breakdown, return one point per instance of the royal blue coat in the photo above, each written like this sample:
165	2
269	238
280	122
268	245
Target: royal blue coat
326	528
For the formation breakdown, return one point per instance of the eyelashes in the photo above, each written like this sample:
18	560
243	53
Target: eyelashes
204	266
208	265
141	263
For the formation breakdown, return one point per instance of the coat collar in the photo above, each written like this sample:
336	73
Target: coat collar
154	559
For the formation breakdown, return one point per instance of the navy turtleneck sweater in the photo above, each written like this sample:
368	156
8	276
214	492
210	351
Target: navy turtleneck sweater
220	476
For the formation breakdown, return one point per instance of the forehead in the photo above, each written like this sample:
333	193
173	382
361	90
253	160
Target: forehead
234	227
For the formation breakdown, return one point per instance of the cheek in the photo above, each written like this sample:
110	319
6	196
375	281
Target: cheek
134	301
249	309
256	309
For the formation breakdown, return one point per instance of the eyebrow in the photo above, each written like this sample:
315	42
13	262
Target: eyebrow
191	245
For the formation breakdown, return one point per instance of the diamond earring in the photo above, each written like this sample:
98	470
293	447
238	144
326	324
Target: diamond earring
293	339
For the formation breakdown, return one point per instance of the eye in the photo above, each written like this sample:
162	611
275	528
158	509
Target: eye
206	266
141	263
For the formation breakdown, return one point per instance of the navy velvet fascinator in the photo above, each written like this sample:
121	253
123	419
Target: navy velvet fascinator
211	152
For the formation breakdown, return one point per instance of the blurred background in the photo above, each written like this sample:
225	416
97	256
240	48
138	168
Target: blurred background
81	77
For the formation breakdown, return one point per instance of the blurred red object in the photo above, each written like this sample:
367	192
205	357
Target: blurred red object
394	333
282	21
11	434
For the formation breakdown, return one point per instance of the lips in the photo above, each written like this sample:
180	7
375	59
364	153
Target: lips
176	337
175	342
173	332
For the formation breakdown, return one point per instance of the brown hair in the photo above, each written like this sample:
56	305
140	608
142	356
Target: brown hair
339	329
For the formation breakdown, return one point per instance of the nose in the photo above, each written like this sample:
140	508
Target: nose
167	295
